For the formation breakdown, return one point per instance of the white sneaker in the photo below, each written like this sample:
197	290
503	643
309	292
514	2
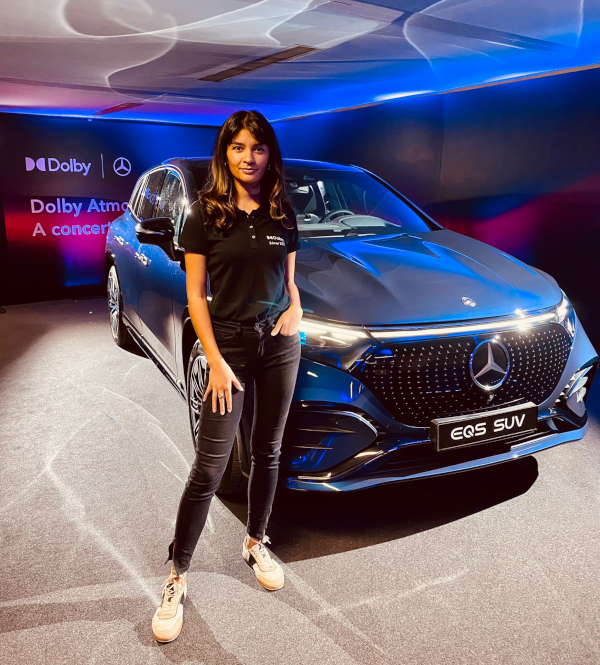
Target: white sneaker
167	621
268	572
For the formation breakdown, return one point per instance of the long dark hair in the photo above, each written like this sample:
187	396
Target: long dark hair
218	196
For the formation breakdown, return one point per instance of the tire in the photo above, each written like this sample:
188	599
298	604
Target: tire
118	328
233	481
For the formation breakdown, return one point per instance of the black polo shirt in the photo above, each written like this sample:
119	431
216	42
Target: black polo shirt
245	266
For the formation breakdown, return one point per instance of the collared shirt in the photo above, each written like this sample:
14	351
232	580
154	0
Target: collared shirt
246	266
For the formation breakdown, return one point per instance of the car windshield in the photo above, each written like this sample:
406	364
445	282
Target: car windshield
334	202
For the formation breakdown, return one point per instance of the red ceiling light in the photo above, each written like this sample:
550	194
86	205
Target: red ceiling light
118	107
252	65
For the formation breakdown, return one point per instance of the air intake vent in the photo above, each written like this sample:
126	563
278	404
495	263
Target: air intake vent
252	65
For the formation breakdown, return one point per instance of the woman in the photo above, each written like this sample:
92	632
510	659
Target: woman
243	232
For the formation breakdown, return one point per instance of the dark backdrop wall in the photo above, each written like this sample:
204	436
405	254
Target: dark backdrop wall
515	165
62	182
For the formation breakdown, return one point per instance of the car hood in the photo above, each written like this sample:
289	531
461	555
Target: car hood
418	278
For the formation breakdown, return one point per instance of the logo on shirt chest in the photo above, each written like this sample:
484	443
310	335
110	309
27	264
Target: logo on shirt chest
275	240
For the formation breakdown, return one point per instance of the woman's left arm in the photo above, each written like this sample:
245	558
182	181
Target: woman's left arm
289	321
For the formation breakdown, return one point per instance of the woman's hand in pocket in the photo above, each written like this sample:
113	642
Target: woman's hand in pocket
288	322
220	378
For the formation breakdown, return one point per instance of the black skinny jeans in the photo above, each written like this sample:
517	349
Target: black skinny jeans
271	361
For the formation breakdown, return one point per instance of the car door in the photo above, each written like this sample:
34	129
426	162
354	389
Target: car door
126	253
197	182
156	289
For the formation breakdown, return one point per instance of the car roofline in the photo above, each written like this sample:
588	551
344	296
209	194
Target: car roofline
287	161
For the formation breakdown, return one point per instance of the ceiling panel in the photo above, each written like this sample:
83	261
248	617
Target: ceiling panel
145	59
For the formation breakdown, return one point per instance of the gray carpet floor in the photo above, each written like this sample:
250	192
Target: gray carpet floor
495	566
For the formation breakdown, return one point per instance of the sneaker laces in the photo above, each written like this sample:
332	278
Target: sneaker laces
266	563
170	591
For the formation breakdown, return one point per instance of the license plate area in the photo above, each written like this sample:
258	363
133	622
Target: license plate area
458	432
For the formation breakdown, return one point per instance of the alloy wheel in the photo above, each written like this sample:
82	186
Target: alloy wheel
118	329
198	375
114	304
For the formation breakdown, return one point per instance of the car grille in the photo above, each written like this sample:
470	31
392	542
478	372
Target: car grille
419	381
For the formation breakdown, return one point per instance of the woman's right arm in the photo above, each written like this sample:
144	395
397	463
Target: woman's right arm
221	375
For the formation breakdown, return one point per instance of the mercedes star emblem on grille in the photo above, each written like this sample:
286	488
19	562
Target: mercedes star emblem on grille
469	302
489	364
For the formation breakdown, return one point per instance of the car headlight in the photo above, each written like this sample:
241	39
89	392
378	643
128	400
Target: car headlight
333	344
565	314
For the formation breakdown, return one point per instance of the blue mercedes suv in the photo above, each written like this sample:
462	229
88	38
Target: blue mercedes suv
424	352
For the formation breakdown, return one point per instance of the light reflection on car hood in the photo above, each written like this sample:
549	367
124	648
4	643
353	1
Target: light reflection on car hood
422	278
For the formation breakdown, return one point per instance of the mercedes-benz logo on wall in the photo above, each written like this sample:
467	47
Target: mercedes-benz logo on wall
122	166
489	364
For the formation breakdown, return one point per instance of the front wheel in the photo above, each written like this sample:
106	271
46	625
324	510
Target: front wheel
233	480
115	308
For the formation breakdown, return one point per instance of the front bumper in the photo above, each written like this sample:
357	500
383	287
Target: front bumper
388	468
341	438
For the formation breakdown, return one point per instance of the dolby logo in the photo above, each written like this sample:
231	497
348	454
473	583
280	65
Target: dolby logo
51	164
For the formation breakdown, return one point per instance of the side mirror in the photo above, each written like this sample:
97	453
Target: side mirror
155	231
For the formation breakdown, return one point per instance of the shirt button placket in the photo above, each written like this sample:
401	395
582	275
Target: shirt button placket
253	241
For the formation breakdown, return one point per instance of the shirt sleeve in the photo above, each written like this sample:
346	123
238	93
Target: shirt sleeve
293	243
193	234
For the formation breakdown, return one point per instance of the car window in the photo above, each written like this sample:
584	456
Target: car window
366	206
149	194
171	203
134	202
